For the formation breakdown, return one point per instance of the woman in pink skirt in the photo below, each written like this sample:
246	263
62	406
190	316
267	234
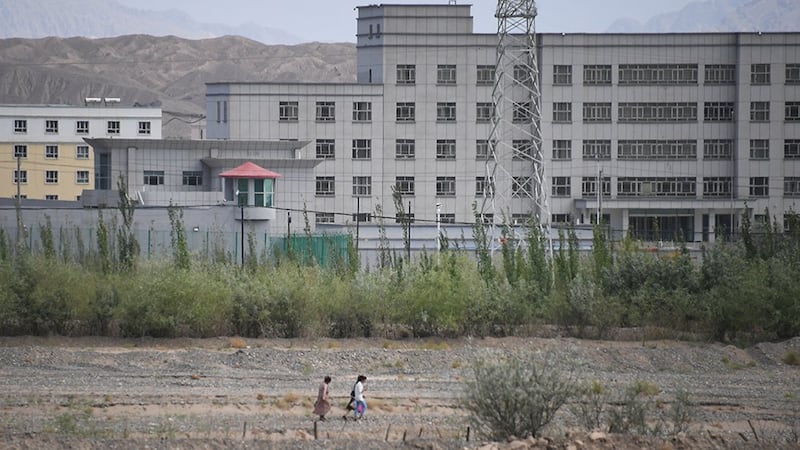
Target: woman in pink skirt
323	404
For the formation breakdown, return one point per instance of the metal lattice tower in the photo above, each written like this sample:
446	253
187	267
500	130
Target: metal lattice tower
515	168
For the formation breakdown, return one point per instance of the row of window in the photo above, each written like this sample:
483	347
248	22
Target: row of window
81	127
562	186
670	112
51	151
288	111
629	74
188	177
648	149
51	177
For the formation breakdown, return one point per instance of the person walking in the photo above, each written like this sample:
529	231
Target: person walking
361	401
323	404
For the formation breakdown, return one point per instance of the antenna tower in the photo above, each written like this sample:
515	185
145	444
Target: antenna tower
515	168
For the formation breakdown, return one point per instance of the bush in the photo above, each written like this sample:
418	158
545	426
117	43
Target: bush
517	397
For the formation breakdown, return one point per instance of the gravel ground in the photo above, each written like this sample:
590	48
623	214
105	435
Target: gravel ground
208	394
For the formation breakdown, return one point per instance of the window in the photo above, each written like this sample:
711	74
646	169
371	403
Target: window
483	187
51	126
597	149
522	75
446	74
793	74
720	74
362	217
20	177
792	111
404	185
51	152
362	111
406	74
192	178
562	112
657	74
485	75
82	177
322	217
482	150
445	186
484	112
326	149
657	112
326	111
362	186
405	112
718	111
51	197
20	151
597	75
326	186
521	219
561	218
562	75
561	187
113	127
51	176
759	111
362	148
287	111
447	218
589	187
405	149
521	187
791	187
759	73
484	218
404	217
82	152
653	149
791	149
656	187
522	112
716	186
759	148
82	127
445	149
153	177
562	150
597	112
144	128
20	126
759	186
522	148
721	149
445	112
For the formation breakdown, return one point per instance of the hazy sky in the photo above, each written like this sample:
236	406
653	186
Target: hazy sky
334	20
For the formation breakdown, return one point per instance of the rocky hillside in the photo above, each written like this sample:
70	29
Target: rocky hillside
720	15
166	71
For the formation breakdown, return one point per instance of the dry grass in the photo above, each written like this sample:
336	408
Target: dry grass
791	358
237	342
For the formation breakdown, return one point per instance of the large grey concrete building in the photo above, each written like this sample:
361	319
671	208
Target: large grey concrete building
681	133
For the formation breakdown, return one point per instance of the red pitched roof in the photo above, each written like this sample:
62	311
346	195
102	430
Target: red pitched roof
249	170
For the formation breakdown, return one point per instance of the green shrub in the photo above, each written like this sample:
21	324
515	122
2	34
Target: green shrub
517	397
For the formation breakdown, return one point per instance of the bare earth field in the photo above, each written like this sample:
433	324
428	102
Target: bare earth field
91	393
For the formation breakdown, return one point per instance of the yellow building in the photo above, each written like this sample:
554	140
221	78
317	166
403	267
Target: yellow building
43	154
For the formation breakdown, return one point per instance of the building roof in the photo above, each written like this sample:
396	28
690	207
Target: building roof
249	170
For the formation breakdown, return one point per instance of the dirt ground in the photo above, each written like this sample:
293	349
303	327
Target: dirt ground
235	393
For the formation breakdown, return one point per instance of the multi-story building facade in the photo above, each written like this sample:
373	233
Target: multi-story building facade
681	134
43	154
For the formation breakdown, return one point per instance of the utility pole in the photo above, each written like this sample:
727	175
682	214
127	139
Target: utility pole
438	227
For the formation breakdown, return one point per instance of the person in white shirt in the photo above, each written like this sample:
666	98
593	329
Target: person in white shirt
361	402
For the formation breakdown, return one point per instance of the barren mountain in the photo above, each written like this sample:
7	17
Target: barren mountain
166	71
720	15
